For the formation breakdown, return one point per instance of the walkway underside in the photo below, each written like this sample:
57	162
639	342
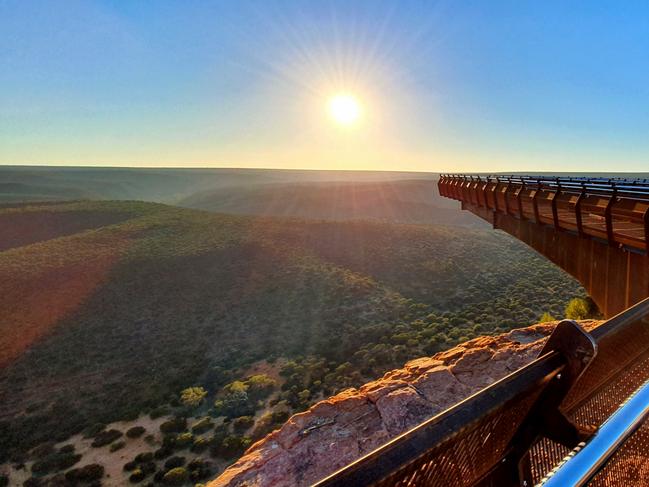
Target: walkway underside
595	230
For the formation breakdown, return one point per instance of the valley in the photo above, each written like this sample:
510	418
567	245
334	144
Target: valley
108	321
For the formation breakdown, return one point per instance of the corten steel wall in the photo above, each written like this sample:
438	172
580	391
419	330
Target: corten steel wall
596	231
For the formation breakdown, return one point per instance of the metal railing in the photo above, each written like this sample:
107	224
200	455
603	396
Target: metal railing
615	210
590	458
516	430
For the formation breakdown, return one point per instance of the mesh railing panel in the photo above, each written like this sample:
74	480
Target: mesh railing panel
469	456
461	445
628	465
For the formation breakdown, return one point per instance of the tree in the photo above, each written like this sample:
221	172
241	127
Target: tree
260	386
545	317
578	309
193	396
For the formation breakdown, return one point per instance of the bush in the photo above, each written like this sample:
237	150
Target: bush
260	386
54	463
202	425
162	452
199	469
137	476
67	449
242	423
118	445
175	425
193	396
578	309
199	445
94	430
175	476
34	482
148	467
183	440
232	446
44	449
174	462
130	466
264	425
197	463
144	457
545	317
105	438
135	431
87	473
159	412
4	480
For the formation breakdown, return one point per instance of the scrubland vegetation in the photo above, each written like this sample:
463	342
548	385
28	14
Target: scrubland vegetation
163	311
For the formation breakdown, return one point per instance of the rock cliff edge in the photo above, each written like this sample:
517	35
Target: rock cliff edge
338	430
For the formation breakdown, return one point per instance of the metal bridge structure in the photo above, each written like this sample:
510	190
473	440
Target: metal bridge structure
577	415
595	229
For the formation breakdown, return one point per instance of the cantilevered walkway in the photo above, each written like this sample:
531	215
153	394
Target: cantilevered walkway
596	229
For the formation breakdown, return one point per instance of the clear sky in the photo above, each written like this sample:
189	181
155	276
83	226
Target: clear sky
442	86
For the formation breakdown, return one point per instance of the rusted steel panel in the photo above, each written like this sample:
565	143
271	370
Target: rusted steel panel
594	229
638	278
616	281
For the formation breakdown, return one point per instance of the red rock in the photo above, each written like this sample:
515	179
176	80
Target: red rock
403	409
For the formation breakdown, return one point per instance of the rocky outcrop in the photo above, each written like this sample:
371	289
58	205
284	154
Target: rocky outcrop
334	432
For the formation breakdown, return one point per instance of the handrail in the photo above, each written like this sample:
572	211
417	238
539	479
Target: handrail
613	210
586	461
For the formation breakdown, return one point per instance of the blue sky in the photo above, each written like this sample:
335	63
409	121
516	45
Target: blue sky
444	86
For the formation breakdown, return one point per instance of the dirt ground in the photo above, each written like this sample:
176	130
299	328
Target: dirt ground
113	462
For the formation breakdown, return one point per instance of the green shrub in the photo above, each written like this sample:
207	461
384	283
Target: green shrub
174	425
183	440
67	449
174	462
130	466
94	430
263	426
105	438
578	309
175	476
202	425
545	317
34	482
4	480
144	457
192	396
44	449
232	446
118	445
159	412
199	469
54	463
260	386
148	467
162	452
242	423
137	476
135	431
85	474
199	445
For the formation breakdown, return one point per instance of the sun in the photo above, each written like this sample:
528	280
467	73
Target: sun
344	109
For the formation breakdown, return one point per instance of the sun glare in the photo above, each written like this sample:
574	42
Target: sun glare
344	109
